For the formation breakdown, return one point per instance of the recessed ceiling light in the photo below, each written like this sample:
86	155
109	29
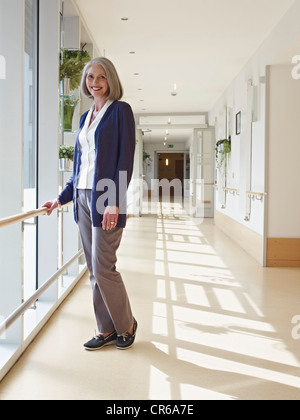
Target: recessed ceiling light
125	19
131	52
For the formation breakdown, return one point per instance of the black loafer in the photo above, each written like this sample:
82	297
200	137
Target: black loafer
126	340
97	342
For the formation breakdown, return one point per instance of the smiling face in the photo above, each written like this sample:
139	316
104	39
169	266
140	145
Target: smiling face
96	82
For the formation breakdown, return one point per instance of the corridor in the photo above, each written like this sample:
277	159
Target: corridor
213	324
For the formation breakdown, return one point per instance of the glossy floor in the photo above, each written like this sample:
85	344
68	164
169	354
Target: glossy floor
213	324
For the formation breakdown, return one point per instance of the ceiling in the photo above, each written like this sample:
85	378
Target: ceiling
201	45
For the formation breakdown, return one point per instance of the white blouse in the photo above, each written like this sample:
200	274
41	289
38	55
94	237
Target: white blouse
87	146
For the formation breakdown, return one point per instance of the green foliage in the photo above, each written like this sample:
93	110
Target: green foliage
146	156
69	108
66	152
223	147
71	102
72	65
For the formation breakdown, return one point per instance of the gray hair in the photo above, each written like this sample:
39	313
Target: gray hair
114	84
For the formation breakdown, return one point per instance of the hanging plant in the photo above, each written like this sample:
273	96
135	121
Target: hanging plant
223	148
146	156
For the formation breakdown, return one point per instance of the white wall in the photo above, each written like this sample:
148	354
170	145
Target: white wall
279	48
235	98
274	49
284	154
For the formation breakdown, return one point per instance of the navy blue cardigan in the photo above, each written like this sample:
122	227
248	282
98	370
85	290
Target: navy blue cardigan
114	147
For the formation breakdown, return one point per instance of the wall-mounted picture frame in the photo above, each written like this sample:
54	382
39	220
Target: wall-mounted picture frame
238	123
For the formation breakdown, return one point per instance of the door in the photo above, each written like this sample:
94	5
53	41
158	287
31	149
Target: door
202	176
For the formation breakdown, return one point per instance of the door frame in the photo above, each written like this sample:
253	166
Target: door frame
207	207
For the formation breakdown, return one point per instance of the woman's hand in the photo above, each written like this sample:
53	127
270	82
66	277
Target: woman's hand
51	205
110	217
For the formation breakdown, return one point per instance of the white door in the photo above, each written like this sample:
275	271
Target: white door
202	177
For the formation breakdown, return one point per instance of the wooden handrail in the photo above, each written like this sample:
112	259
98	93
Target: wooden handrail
250	194
6	221
233	190
257	194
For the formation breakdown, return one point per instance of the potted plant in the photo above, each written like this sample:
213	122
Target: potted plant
66	156
69	108
146	157
71	67
223	148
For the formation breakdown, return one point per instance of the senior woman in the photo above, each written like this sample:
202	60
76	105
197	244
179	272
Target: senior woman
102	169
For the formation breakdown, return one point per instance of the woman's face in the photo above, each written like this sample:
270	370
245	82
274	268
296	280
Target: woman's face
96	82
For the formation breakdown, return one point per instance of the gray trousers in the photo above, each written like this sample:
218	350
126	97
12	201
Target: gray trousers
111	304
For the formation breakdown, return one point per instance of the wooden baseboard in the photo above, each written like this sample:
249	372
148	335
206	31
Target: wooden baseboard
250	241
283	252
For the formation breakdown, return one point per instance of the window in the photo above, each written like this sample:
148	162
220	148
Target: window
30	143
